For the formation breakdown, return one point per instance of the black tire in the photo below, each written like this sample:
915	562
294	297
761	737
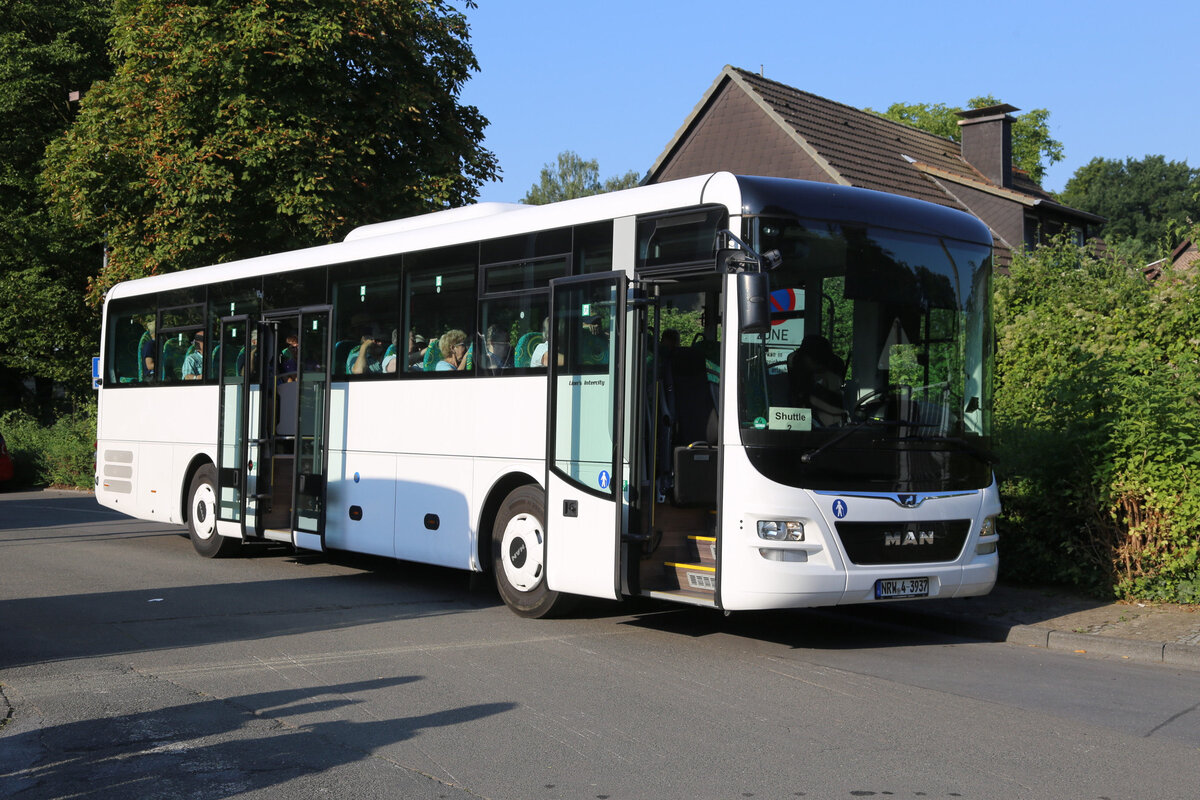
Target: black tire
518	556
202	517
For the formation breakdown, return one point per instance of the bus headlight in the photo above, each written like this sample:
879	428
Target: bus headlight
987	531
781	530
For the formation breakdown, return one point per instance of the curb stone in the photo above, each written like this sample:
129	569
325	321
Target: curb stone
912	616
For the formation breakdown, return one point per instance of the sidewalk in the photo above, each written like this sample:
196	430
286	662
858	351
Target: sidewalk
1056	619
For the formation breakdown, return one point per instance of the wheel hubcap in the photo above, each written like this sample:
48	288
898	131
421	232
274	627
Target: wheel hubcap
204	521
524	549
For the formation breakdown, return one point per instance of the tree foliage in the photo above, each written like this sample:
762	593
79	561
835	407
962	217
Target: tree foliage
1146	201
47	49
1033	149
237	127
1098	380
572	177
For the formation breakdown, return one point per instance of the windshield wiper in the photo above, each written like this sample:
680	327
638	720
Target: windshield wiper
858	426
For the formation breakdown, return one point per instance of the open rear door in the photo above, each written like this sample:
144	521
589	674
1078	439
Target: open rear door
232	425
585	504
312	427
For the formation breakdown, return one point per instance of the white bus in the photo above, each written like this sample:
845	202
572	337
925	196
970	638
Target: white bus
733	392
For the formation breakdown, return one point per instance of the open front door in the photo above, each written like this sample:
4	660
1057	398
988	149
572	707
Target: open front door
585	504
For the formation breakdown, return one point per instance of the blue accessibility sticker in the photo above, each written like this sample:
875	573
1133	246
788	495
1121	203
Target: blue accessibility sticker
840	509
605	479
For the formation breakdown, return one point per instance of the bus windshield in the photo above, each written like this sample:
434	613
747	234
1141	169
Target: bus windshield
876	372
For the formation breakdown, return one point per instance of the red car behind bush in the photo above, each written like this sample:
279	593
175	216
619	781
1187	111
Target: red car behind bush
6	464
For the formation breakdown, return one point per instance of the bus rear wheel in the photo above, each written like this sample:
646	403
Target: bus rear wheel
519	555
202	516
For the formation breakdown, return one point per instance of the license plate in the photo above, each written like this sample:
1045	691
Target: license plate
891	588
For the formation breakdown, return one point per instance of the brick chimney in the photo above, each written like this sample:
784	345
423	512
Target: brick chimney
987	141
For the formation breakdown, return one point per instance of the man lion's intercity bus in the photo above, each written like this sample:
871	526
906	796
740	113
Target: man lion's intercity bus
733	392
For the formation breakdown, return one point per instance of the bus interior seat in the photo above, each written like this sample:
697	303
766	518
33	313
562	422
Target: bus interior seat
433	355
341	351
693	399
694	458
525	347
172	359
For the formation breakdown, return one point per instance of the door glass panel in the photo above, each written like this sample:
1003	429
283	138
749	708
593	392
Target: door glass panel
231	455
313	385
584	369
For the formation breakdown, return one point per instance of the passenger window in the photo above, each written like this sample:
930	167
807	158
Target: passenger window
366	318
440	307
677	239
526	247
181	343
514	333
229	300
593	248
131	348
294	289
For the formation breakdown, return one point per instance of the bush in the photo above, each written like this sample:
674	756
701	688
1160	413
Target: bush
60	455
1098	424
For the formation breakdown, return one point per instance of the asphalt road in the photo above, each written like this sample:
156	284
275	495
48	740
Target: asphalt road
132	668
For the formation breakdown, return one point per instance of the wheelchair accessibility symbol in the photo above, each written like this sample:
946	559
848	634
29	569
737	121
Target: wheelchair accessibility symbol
840	509
605	479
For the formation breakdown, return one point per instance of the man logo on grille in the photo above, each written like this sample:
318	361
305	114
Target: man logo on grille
907	538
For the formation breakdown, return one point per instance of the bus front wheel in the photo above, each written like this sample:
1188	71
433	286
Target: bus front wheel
519	555
202	516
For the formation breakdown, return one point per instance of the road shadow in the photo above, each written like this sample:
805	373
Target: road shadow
91	624
814	629
29	509
213	748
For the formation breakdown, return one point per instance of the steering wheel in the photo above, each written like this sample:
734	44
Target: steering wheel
875	397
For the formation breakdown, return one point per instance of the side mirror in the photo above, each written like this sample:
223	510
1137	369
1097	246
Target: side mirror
754	307
731	260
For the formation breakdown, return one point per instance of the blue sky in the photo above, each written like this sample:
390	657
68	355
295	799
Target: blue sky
614	80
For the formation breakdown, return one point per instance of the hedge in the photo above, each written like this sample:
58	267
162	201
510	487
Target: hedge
1098	424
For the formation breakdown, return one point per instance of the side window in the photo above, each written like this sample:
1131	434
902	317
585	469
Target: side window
593	251
514	338
439	301
679	238
181	344
131	351
514	314
367	319
228	300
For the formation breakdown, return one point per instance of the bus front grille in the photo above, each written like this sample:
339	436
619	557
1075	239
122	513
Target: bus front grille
870	543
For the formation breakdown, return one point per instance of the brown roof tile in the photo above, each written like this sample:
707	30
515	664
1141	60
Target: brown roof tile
868	150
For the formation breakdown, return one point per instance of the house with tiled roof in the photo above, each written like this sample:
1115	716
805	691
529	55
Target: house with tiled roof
1184	258
749	125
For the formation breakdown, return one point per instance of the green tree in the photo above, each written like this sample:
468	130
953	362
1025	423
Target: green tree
237	127
1033	149
1146	201
572	177
48	48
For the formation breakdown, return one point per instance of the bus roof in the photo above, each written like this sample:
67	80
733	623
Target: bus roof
441	228
484	221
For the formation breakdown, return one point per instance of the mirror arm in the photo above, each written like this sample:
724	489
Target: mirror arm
745	256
